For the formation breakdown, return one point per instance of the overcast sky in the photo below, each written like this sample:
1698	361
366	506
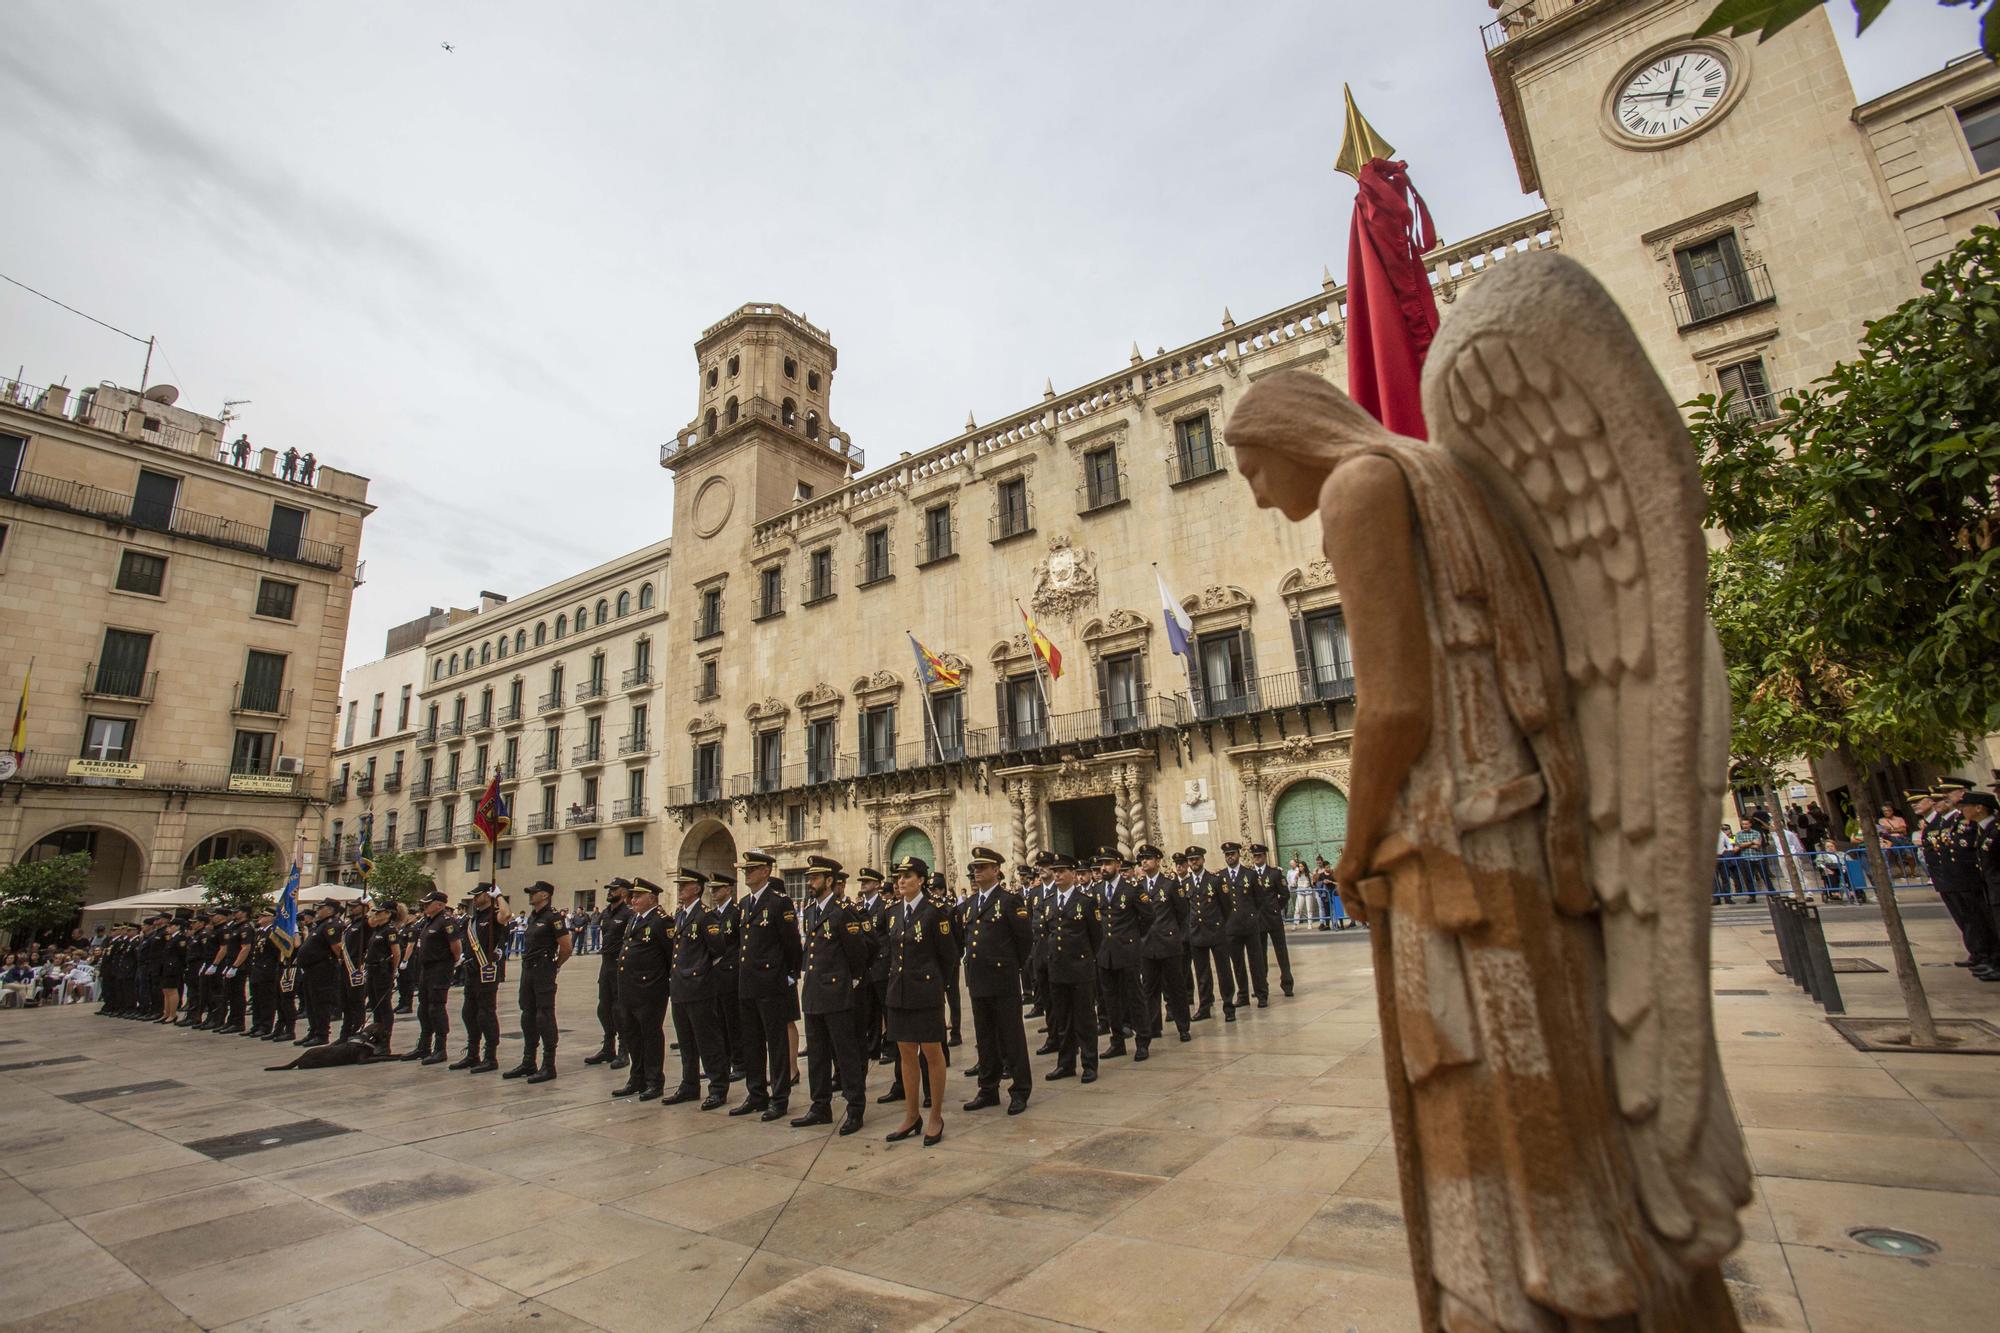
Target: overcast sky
476	275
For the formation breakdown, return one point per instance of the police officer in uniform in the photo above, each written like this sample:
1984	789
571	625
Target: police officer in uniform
263	976
484	928
319	973
645	960
1979	809
611	936
999	946
1272	895
768	961
1246	923
836	952
378	963
406	964
354	936
1119	956
1072	933
545	947
1163	900
437	951
874	909
728	1011
699	946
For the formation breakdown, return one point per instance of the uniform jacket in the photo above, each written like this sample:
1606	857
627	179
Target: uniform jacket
1164	901
1273	894
837	950
875	923
316	943
1210	907
769	956
1072	933
541	937
611	935
920	948
1986	860
433	941
699	945
999	943
1125	924
645	957
1244	918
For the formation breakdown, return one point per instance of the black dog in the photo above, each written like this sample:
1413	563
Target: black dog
360	1049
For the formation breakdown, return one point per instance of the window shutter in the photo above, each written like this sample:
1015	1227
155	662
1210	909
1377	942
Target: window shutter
1250	670
1000	712
889	731
1104	719
1308	682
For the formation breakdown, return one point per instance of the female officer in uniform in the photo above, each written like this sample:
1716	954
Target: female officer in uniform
919	946
386	918
545	947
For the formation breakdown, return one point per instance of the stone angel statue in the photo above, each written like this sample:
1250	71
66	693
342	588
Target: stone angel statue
1540	745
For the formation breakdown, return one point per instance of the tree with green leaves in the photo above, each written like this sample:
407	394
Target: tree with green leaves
42	895
246	883
1854	597
400	875
1767	18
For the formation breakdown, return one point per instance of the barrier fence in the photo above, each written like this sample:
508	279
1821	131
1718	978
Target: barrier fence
1835	876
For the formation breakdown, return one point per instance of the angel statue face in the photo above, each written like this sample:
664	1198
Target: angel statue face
1289	433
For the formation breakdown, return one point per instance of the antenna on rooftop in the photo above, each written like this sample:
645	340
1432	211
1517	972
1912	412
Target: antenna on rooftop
229	413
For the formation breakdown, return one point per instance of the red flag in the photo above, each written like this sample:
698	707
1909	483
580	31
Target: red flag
1391	312
491	816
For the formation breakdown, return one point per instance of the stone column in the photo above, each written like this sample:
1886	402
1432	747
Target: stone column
1017	832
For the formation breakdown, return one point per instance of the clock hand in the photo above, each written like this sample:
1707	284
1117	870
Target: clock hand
1640	97
1675	89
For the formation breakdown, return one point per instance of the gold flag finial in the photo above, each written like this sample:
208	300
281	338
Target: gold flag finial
1361	144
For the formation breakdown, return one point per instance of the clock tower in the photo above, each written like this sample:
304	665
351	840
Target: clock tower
1720	188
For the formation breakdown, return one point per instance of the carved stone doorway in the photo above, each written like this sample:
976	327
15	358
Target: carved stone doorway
1079	827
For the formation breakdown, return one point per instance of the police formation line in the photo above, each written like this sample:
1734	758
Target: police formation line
1112	948
1959	838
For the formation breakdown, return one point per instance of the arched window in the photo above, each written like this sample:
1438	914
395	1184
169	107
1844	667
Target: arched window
735	364
454	664
541	633
437	669
603	610
520	641
582	619
711	377
500	648
812	425
812	381
788	413
562	626
729	411
645	597
485	653
708	423
791	369
624	605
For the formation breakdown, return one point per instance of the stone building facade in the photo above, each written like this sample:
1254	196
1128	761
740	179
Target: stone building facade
184	615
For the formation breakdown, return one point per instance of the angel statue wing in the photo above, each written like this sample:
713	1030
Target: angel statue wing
1539	388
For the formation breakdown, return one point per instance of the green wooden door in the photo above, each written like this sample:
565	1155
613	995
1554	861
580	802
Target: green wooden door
1311	821
911	842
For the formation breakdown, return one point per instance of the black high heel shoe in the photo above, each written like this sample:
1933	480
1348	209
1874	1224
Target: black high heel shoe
905	1132
932	1140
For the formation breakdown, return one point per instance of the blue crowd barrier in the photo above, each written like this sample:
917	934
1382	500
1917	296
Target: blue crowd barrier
1839	875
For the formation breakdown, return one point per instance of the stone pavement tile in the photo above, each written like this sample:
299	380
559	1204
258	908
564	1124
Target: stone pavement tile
1760	1282
1096	1105
78	1200
1847	1115
1973	1081
760	1273
574	1148
1131	1286
1065	1195
564	1249
734	1141
54	1153
673	1285
235	1237
1358	1233
1138	1152
712	1199
47	1267
423	1128
273	1160
1308	1299
1371	1092
942	1174
418	1299
797	1161
1330	1036
523	1316
1290	1064
1232	1086
1027	1135
1254	1221
495	1142
376	1183
751	1228
662	1126
227	1291
623	1174
1968	1117
1367	1067
1323	1124
1821	1213
831	1300
826	1223
134	1310
1844	1292
1202	1115
964	1253
115	1226
993	1319
1280	1164
442	1228
1870	1159
19	1208
1813	1080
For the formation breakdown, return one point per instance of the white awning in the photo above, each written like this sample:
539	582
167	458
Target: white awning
190	895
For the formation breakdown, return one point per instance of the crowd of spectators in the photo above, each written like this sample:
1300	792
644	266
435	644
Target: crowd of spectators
34	977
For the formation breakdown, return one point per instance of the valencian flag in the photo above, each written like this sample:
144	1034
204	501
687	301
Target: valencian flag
1392	314
285	930
931	669
490	816
17	743
1045	650
364	855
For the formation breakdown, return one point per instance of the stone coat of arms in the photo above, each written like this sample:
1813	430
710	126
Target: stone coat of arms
1065	580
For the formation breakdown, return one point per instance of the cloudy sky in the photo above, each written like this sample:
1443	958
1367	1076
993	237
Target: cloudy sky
476	275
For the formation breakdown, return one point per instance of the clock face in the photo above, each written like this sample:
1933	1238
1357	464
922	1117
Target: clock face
1672	94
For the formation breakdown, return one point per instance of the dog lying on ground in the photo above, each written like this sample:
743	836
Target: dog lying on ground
360	1049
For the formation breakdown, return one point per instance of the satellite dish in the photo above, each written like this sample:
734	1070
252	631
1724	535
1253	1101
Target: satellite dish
165	394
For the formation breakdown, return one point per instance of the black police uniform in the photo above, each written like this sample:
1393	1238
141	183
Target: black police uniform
699	946
378	965
1164	902
645	962
728	1007
1216	964
354	936
919	944
434	964
876	923
1246	923
263	969
999	943
1118	963
407	971
611	938
484	968
235	979
145	982
1072	932
837	951
768	960
1272	895
541	944
319	974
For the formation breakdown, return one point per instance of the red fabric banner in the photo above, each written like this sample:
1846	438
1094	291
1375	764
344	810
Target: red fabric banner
1391	313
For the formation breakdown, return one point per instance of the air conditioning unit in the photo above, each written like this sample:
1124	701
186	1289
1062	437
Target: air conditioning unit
290	766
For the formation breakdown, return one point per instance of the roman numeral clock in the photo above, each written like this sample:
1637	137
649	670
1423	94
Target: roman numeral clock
1672	93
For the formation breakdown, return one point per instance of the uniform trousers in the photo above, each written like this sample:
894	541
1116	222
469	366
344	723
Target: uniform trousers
481	1012
833	1045
607	1002
1247	955
1163	978
538	1011
433	1013
1276	938
263	1000
1002	1039
382	1002
698	1032
288	1000
237	991
353	1003
406	985
1118	989
729	1017
1975	924
321	981
878	1016
767	1055
642	1018
951	998
1073	1022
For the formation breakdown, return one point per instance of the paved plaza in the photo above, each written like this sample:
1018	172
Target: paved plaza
161	1179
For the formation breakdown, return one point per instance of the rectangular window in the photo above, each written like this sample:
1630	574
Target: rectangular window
263	682
154	499
1225	677
795	823
353	713
1194	448
875	555
121	667
139	572
802	491
770	759
878	739
586	849
1713	279
819	750
375	718
944	726
253	752
389	831
403	711
513	699
1011	508
710	623
545	853
1327	657
288	527
635	842
1748	389
1121	694
1101	481
503	858
276	598
635	790
709	685
937	534
107	738
1027	720
819	580
1982	134
13	448
548	804
451	771
423	825
770	591
472	857
708	771
596	673
642	661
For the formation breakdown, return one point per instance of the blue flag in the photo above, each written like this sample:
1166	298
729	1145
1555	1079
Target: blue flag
285	930
1179	628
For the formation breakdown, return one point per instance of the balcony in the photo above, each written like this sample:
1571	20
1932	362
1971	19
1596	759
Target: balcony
331	850
1108	726
392	781
1102	493
708	627
129	511
878	568
473	781
938	544
451	731
591	691
260	700
817	591
1010	521
634	742
436	838
1188	465
1727	293
637	678
702	791
1765	406
479	722
364	785
547	763
587	754
1517	16
706	690
542	821
239	779
337	790
413	842
510	715
770	604
915	754
581	816
108	682
551	702
509	771
427	736
625	811
469	832
422	788
1286	689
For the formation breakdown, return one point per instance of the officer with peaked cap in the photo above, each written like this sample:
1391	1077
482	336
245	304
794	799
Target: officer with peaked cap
769	956
836	954
1119	957
645	965
1163	901
545	947
728	1009
699	946
483	928
1983	834
611	935
1072	932
437	949
999	948
871	909
1272	895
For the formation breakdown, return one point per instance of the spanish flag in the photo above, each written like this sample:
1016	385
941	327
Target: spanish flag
1051	658
931	669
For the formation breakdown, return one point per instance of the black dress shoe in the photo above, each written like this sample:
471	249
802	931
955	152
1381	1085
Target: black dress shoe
543	1075
1016	1103
436	1058
813	1117
486	1066
599	1057
1055	1074
907	1131
1186	1035
465	1062
519	1071
886	1058
1046	1048
748	1106
1035	1012
932	1140
620	1060
956	1040
1112	1052
972	1072
852	1122
314	1041
714	1101
652	1092
1263	1002
680	1095
1229	1015
626	1091
892	1095
777	1111
1144	1052
1288	990
1202	1015
1089	1076
737	1073
983	1100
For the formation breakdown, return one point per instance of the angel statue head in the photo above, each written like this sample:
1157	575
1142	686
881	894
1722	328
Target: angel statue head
1290	432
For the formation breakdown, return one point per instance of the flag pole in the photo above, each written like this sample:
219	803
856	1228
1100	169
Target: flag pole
923	688
1034	655
1187	658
